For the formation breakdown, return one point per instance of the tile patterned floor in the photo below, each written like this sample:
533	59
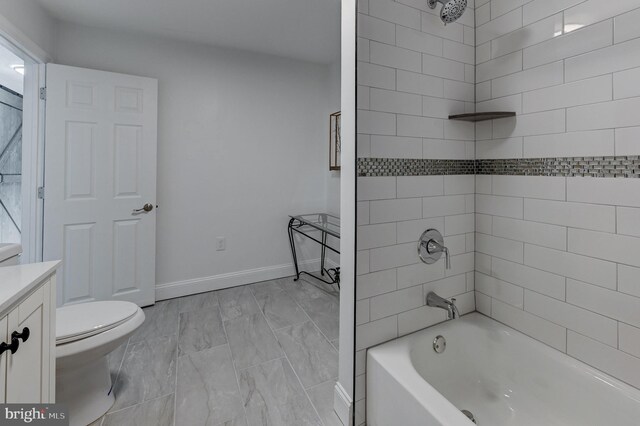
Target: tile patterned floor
261	354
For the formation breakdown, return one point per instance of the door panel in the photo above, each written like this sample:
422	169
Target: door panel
100	165
80	160
127	161
126	260
79	260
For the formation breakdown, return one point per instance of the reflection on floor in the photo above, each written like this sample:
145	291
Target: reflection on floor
261	354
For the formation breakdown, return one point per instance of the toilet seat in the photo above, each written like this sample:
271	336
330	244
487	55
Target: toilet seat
77	322
85	335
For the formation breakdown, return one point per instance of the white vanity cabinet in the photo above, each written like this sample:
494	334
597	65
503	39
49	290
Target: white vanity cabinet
28	374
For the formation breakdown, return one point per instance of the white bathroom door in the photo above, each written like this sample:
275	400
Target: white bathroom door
100	167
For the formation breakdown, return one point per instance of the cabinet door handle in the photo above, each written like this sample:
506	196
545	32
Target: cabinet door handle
13	347
24	335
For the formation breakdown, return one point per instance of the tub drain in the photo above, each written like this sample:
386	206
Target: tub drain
469	414
439	344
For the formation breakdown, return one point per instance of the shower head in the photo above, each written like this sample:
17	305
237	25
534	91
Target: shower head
451	9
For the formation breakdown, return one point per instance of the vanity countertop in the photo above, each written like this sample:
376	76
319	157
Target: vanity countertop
18	281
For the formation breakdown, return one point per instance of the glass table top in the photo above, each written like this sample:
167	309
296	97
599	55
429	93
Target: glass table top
321	221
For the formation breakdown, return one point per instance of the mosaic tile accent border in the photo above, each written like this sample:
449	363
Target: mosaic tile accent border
413	167
623	166
616	167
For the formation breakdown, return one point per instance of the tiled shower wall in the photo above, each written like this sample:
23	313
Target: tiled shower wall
556	252
412	73
558	258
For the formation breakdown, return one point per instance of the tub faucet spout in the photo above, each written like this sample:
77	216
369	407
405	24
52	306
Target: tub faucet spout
440	302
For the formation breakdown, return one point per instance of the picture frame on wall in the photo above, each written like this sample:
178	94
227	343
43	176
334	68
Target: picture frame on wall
334	141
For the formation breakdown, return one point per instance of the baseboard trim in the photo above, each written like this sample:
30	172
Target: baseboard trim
233	279
343	405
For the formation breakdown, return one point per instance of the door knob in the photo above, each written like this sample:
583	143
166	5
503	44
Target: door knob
145	209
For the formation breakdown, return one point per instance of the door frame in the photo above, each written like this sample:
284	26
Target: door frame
33	121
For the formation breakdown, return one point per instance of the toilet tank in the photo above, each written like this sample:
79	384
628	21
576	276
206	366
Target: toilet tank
10	254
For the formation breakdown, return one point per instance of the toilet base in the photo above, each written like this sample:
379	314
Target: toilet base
86	391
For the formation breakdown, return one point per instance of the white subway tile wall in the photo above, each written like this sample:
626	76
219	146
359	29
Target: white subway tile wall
556	258
413	72
559	258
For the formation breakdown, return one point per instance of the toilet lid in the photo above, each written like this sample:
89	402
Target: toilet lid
75	322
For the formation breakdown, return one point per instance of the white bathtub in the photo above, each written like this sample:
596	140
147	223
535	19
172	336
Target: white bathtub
500	375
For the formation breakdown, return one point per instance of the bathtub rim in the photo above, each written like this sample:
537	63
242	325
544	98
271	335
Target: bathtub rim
433	401
411	380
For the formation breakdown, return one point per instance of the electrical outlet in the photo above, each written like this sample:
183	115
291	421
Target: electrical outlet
221	243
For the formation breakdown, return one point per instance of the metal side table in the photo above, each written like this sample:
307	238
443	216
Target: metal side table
309	225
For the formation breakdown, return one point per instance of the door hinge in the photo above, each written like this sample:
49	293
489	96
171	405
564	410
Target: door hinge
43	93
41	192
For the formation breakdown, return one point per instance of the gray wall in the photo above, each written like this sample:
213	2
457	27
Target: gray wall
242	133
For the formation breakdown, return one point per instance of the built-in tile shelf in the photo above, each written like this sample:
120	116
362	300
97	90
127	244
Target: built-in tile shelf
482	116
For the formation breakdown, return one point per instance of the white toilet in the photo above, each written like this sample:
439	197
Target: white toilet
85	334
